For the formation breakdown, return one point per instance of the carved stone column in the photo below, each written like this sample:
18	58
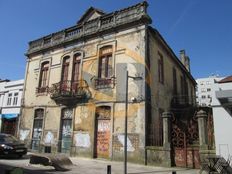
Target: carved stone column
203	143
202	117
167	138
166	129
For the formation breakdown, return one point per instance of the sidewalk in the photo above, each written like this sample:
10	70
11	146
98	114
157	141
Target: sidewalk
97	166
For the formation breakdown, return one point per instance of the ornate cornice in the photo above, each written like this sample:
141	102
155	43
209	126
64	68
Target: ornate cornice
127	17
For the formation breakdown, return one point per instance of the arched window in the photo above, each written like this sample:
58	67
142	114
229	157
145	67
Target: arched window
64	75
105	62
37	128
43	81
76	67
76	71
65	69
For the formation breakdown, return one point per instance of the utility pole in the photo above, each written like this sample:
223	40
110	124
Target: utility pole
125	134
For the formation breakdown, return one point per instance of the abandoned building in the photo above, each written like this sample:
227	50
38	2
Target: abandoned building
76	83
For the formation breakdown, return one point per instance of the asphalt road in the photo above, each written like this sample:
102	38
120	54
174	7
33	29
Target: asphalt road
87	166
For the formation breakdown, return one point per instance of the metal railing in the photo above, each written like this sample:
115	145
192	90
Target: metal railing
68	88
104	83
178	100
58	146
43	89
155	135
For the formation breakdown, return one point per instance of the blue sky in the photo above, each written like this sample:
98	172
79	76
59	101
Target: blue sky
202	27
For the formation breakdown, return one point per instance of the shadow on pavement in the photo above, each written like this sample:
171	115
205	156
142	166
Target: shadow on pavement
163	171
4	168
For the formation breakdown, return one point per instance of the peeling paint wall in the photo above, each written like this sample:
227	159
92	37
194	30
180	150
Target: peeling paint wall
129	48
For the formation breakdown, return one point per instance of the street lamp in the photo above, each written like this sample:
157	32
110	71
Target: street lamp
126	115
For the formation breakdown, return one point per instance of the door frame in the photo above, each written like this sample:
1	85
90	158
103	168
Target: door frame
111	118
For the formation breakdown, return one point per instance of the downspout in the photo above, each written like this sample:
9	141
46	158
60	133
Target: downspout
147	86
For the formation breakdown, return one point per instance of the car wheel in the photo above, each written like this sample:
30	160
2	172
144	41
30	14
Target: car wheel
20	156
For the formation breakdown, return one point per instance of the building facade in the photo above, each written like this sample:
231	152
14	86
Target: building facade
75	87
222	115
205	92
10	104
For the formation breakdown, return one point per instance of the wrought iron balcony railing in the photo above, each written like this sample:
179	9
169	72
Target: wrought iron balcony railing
101	83
69	92
183	100
41	90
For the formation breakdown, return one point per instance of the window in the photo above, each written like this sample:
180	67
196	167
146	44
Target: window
203	90
15	101
9	99
161	68
182	85
174	81
105	62
65	68
76	67
105	69
76	71
64	75
203	96
43	82
208	89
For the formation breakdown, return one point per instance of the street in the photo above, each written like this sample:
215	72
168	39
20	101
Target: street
87	166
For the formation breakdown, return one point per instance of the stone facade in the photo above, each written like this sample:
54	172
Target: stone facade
86	117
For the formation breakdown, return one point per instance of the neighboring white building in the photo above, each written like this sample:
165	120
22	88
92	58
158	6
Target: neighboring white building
204	90
10	104
222	114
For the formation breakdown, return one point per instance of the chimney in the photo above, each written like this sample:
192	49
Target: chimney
185	60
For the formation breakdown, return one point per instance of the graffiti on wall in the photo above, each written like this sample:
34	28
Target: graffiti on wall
103	138
130	147
82	139
49	138
132	142
23	134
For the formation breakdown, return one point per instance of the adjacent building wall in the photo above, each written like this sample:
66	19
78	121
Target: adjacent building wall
222	120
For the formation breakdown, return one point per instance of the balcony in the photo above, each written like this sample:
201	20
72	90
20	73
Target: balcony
42	90
102	83
69	93
179	101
